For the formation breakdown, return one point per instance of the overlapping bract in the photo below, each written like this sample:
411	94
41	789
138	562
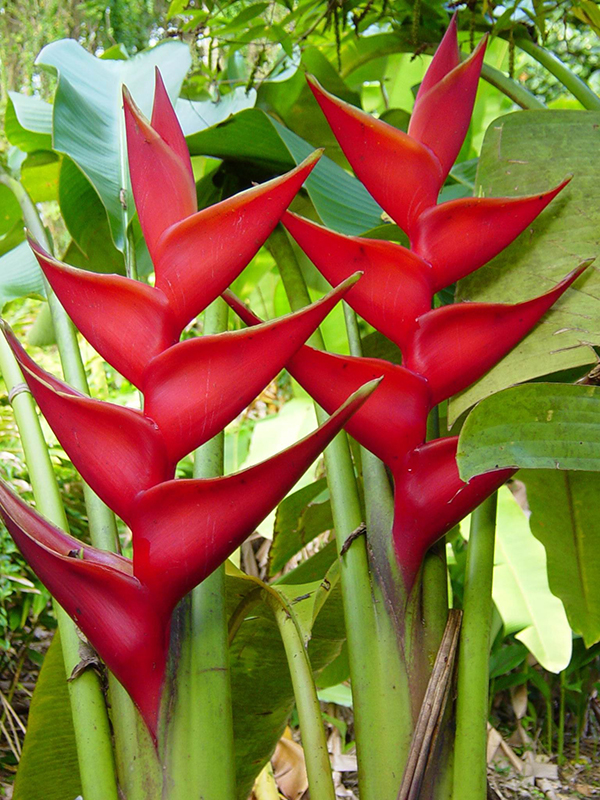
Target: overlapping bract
182	529
446	349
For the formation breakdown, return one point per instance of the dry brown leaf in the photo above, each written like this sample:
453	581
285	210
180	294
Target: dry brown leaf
289	769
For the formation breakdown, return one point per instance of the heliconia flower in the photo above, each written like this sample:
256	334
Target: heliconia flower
446	349
182	530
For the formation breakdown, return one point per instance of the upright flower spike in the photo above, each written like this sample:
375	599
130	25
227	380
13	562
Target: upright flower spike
446	349
181	530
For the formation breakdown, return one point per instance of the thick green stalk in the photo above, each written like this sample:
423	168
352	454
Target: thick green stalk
473	662
561	72
199	756
92	732
314	741
378	679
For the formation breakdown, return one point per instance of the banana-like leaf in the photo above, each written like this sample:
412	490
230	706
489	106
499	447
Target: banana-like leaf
564	518
521	592
88	119
525	153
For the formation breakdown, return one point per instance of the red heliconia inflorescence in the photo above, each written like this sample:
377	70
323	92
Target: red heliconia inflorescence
444	350
181	529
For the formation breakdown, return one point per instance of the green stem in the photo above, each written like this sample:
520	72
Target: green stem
511	88
561	72
92	732
199	738
379	681
470	780
314	741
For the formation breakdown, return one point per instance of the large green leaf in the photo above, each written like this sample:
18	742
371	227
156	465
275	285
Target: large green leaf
521	592
20	274
564	517
88	118
262	691
534	426
523	153
48	768
28	122
254	137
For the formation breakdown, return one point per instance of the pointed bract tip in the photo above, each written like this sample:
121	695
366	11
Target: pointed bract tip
579	270
350	280
311	159
362	394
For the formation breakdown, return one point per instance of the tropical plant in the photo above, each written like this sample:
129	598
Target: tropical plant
176	667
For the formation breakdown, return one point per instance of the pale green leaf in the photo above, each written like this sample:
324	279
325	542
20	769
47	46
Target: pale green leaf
273	434
20	274
564	517
521	592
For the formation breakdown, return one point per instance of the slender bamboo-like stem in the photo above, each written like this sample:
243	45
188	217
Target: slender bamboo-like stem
473	663
379	681
314	741
561	72
92	733
199	755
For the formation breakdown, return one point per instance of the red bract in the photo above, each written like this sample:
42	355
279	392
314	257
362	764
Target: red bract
182	530
446	349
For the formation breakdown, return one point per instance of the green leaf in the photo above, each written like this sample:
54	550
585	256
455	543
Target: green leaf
88	122
28	122
341	201
341	695
299	518
521	592
39	175
85	218
49	766
20	274
564	517
535	426
10	210
524	153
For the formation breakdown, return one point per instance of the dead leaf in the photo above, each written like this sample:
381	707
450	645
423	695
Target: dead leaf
289	769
